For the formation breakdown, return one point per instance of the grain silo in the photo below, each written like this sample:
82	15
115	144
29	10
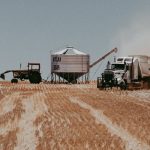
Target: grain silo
69	65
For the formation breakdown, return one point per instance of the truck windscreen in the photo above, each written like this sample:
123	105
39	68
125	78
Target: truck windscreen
117	66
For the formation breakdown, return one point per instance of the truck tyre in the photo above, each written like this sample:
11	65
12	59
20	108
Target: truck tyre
35	77
123	86
14	80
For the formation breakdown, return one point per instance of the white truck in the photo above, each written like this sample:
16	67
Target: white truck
126	72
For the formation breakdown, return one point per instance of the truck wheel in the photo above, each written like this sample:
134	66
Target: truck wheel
35	77
123	86
14	80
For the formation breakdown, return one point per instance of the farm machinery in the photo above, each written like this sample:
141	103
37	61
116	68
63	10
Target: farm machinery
32	74
131	72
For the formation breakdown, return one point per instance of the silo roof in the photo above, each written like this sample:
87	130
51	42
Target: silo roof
69	51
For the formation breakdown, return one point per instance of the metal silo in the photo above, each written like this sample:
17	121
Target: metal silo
69	64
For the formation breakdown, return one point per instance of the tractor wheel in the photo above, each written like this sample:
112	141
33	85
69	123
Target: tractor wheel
14	80
35	77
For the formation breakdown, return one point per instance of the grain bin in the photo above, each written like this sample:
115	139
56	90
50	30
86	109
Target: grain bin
69	64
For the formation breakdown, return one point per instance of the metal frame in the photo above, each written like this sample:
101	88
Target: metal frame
56	78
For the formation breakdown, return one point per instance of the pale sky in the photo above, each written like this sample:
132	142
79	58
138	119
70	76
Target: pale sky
29	29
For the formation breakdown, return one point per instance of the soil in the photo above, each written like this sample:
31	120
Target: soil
63	116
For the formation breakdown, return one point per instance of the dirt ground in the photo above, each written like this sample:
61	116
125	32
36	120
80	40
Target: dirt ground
73	117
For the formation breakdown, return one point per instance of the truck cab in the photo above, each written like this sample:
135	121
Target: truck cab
121	68
115	73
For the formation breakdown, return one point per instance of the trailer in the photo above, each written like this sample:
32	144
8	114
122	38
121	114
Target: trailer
32	74
132	72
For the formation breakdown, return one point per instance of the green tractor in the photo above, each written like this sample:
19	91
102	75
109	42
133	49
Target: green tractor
32	74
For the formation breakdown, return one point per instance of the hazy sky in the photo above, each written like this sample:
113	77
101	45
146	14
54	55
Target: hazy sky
29	29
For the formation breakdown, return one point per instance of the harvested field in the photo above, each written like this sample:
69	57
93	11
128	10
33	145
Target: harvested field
49	116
